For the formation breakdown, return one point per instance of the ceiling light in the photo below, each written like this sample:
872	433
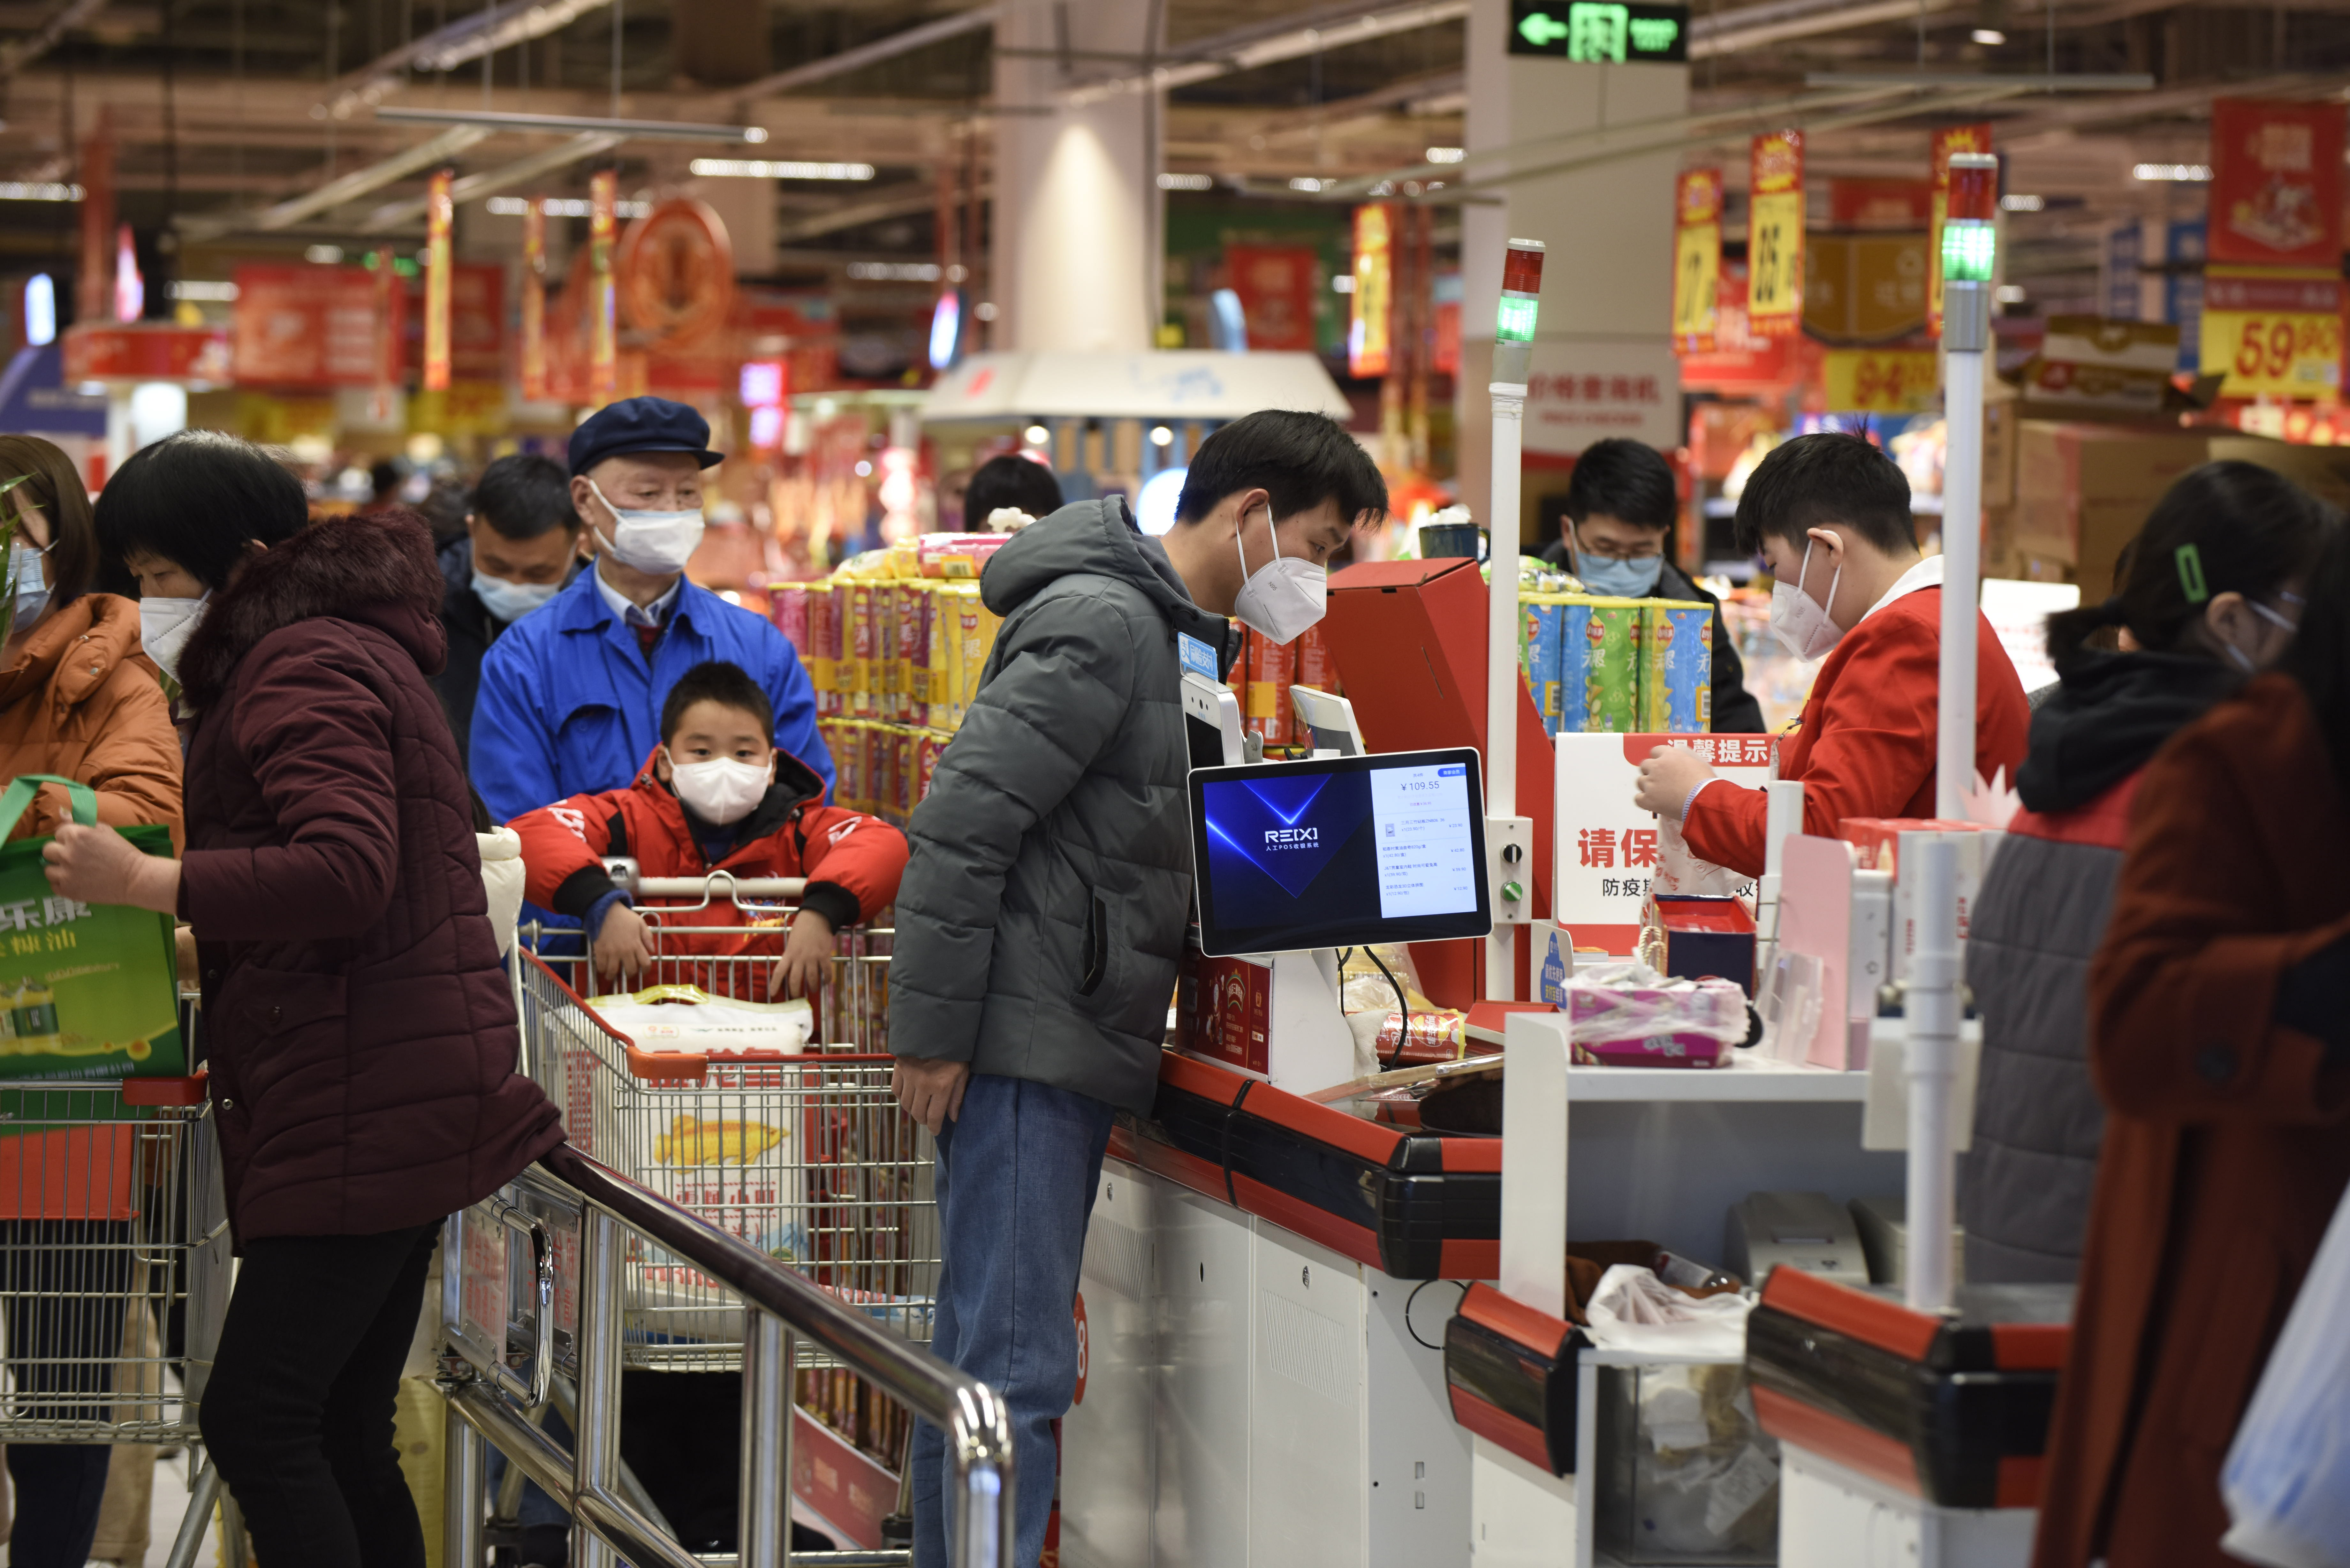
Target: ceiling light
1307	182
894	271
984	310
562	207
1991	36
2190	173
2010	293
501	119
1343	282
37	190
1447	154
194	288
2022	203
761	168
1161	436
1035	435
1187	181
324	255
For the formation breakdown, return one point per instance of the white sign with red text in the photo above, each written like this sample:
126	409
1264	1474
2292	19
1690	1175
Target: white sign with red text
1579	392
1608	848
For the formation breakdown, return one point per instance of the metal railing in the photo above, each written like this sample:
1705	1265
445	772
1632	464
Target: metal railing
565	1312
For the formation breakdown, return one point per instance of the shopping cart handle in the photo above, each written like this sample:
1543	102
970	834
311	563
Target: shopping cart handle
668	1066
717	884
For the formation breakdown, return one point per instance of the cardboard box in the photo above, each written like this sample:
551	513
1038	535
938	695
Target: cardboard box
2003	421
1707	938
1540	618
2322	471
2089	367
1600	665
2084	491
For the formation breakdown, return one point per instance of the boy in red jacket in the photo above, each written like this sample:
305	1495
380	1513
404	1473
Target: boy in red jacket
716	796
1830	515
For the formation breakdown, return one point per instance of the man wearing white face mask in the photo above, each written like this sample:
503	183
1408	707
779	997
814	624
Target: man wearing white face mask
571	697
1830	516
520	548
1044	910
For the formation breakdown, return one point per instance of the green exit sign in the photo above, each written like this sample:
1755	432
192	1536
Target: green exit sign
1610	32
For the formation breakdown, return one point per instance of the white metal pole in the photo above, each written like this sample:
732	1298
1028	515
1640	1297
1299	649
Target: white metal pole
1501	652
1932	1063
1954	744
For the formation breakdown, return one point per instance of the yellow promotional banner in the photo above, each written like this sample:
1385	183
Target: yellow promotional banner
438	212
1775	235
603	328
1369	346
534	301
2273	331
1880	381
1950	139
1697	258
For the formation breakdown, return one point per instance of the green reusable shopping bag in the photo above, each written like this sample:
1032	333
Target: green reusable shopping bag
87	991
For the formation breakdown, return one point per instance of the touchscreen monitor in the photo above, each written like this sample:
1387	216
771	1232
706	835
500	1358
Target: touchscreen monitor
1339	851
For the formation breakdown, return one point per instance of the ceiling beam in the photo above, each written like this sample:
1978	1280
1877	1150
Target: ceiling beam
1265	44
335	192
489	181
19	53
865	55
443	49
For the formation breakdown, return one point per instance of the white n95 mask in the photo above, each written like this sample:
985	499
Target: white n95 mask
510	601
1799	621
1284	595
721	791
164	628
657	543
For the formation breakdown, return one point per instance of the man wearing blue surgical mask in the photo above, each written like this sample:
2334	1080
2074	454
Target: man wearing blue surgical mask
1621	506
520	548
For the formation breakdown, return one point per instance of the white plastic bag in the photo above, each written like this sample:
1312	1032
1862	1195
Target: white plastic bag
1634	1310
1678	871
2287	1481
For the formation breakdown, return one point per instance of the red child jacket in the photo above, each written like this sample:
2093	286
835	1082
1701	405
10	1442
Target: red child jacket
1864	744
852	861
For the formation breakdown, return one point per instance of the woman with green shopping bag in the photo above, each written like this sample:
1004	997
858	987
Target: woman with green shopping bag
77	700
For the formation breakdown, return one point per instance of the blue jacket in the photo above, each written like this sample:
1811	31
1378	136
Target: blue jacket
568	705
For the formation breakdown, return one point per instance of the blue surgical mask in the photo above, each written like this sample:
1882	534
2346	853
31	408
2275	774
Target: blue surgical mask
508	601
1614	579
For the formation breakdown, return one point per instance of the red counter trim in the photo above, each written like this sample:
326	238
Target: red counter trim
1490	1423
1356	1241
1513	1319
1833	1438
1872	1319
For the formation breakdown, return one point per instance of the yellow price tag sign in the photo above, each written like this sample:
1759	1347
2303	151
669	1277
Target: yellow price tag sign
1774	260
2274	334
1880	381
1697	270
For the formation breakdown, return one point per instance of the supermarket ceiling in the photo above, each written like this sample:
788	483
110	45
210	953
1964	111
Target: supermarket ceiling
224	109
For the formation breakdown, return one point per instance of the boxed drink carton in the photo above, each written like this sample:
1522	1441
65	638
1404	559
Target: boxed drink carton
1676	667
1266	697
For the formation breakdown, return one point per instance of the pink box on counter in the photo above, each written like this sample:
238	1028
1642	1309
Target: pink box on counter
1625	1015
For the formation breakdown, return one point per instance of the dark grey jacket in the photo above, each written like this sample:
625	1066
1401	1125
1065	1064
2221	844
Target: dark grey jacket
2024	1186
1044	909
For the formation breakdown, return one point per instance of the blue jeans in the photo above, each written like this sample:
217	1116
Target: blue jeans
1017	1176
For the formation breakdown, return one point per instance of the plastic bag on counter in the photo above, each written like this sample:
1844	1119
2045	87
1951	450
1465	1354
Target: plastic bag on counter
1679	869
1626	1014
2287	1479
1634	1310
684	1018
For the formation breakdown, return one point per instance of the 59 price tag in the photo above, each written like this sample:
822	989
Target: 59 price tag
2288	356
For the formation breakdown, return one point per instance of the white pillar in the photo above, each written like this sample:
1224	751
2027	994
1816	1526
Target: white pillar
1607	309
1075	252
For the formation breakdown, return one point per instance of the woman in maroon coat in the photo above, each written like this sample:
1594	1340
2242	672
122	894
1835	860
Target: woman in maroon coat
2220	1011
363	1034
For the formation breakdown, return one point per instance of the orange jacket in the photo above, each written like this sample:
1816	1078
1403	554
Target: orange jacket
1864	744
82	700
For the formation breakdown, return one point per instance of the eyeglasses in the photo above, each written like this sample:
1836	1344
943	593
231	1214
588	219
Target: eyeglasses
1641	552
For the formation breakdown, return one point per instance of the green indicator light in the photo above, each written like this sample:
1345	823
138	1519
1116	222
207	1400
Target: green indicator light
1541	29
1515	322
1969	250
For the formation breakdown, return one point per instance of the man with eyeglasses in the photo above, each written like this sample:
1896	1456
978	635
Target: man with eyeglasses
1621	506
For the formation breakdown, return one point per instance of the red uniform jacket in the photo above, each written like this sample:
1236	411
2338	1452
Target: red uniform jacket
1864	744
852	862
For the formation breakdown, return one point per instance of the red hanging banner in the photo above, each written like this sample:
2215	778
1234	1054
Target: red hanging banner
438	212
603	325
2276	183
1775	235
534	301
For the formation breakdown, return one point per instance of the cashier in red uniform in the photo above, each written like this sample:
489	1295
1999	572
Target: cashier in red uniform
1830	515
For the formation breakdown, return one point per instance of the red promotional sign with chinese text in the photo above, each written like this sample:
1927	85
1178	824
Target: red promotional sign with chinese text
1951	139
603	301
1741	361
1697	258
1775	235
438	212
534	302
296	326
144	351
1275	284
2276	182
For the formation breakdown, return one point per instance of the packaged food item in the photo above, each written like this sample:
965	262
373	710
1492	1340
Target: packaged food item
1271	671
685	1018
1676	667
1539	618
905	748
958	556
1316	666
787	606
859	649
917	603
1626	1014
927	752
1600	664
888	668
819	653
1440	1035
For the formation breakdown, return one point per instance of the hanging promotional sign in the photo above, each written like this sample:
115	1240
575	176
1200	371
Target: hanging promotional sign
1950	139
2271	334
534	302
1697	259
388	299
296	326
1880	381
94	289
2276	183
1275	285
1774	234
438	214
603	304
1368	349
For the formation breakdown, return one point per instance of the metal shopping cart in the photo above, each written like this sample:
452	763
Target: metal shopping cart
114	1267
797	1149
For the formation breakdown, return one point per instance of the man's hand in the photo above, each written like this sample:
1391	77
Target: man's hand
191	966
624	946
807	953
930	1091
1667	778
99	866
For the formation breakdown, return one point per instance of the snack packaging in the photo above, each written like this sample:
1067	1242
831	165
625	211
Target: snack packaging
1676	668
957	555
1540	619
1626	1014
1600	664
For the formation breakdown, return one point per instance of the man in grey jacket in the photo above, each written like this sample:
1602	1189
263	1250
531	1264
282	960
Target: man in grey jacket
1045	907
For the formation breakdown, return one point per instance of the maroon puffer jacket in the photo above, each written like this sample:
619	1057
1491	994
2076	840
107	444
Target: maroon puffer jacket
363	1037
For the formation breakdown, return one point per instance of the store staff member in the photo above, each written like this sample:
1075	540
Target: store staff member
1830	515
571	697
520	546
1620	505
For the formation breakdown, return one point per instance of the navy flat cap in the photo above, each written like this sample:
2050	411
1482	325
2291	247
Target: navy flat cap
640	424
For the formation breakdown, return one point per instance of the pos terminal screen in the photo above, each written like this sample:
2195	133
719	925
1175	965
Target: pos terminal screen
1339	852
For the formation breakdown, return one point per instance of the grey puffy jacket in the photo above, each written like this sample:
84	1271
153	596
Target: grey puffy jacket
1044	908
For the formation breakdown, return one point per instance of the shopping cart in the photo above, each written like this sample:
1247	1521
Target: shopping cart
114	1267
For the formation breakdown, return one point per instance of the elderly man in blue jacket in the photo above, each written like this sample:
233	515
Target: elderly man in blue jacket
571	697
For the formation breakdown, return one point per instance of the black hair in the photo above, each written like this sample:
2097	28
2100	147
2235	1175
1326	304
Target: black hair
1623	479
198	499
53	487
1009	481
2319	657
525	495
2245	529
384	477
715	680
1301	460
1826	481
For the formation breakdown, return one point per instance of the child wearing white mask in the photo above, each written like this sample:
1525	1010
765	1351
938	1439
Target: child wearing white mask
715	795
1829	514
